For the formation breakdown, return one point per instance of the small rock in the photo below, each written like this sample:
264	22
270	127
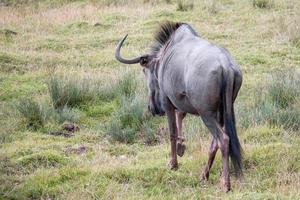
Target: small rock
98	24
71	127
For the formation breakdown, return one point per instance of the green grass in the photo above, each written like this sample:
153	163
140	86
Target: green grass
11	63
57	65
185	5
277	103
35	114
263	3
42	159
283	88
128	120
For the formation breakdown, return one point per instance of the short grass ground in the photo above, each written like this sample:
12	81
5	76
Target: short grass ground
40	39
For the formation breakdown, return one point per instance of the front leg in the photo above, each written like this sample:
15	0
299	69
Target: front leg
180	139
170	111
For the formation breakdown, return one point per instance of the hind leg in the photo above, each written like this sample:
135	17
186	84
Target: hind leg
213	147
210	120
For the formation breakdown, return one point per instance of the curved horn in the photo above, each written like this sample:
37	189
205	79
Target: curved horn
123	60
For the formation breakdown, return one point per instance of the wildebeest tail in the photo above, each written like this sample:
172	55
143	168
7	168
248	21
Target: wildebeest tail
235	150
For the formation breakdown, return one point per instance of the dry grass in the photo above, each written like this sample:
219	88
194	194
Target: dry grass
289	29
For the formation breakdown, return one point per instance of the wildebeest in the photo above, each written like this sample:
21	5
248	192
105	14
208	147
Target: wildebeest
187	74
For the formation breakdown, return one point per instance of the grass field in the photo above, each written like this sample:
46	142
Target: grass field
57	66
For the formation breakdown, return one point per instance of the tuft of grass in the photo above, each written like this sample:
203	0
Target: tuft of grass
211	6
277	103
130	122
7	35
185	5
263	3
48	184
123	135
126	120
82	27
123	149
293	31
288	118
44	159
263	134
261	162
283	88
289	29
101	110
126	85
9	121
148	134
254	59
11	63
67	114
34	113
68	91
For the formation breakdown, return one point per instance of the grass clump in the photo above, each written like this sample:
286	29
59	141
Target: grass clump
126	120
11	63
48	184
263	134
288	28
7	35
123	149
68	94
278	103
211	6
8	122
148	133
130	122
72	90
263	3
131	112
44	159
37	115
68	91
284	88
67	114
126	85
34	113
185	5
283	153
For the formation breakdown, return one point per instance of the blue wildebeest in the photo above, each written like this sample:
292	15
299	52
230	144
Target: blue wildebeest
187	74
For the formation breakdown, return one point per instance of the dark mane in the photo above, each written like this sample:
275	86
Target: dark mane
163	34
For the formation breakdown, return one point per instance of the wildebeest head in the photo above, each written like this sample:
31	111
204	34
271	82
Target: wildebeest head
150	67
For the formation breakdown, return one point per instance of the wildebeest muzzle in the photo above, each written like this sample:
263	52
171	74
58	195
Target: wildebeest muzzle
156	109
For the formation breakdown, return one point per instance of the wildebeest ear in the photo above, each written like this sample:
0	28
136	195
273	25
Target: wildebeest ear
144	61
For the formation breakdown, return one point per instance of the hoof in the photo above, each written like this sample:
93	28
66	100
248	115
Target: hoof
204	177
225	186
227	189
180	149
173	165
